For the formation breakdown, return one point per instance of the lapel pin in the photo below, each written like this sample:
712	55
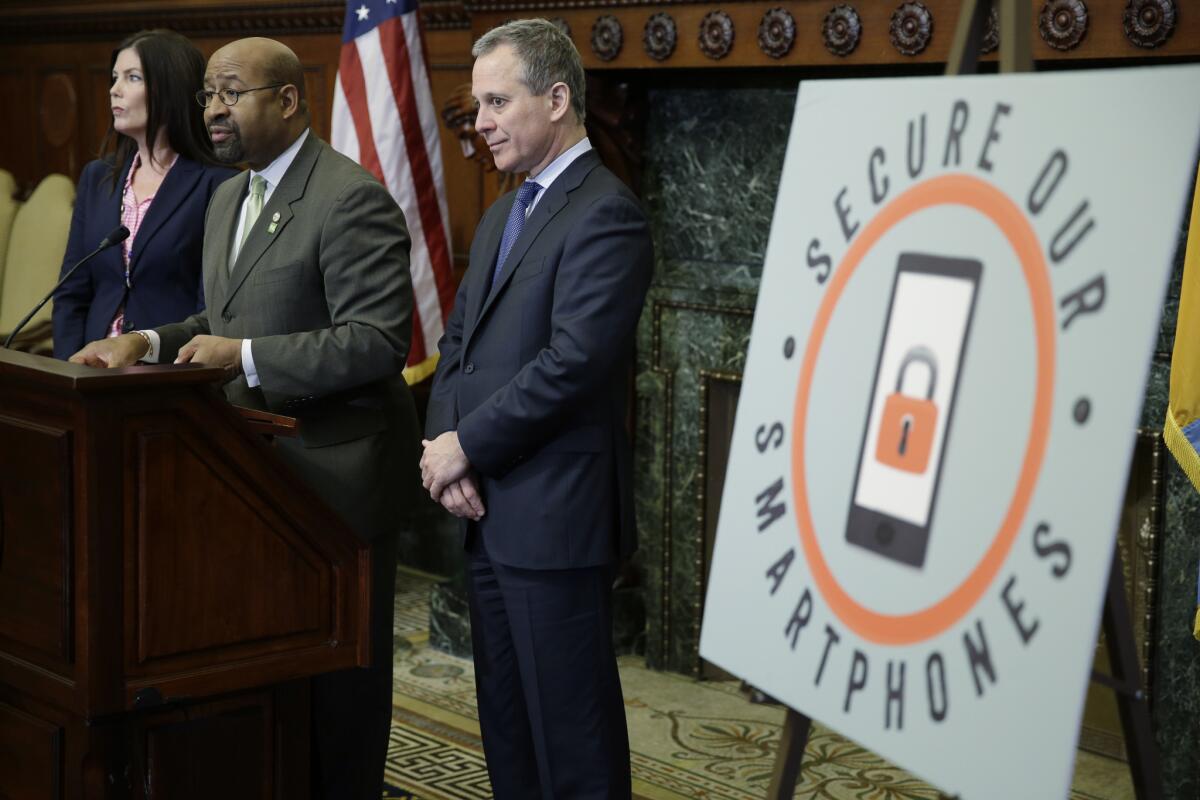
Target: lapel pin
274	223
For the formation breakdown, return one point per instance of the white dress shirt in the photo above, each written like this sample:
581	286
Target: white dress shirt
555	168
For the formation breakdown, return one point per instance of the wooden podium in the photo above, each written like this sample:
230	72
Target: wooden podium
166	587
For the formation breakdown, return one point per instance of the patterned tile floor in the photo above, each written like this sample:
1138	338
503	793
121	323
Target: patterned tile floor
689	739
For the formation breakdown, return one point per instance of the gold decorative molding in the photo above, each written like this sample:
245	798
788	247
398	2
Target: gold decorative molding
833	34
452	14
95	22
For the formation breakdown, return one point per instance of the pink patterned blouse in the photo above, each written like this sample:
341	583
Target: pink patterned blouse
133	212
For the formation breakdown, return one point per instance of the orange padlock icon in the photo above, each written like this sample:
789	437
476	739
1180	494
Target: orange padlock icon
906	431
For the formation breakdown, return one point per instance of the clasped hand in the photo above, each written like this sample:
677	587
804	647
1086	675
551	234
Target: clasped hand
447	474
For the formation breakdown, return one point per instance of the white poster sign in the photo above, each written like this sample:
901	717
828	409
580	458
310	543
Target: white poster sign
949	354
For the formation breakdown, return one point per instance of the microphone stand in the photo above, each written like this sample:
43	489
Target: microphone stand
116	237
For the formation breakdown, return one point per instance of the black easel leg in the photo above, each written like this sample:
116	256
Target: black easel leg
1131	697
786	771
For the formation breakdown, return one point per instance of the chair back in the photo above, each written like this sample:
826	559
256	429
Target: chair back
8	210
35	252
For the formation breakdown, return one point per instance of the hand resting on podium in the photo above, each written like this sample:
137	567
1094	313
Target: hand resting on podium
119	351
126	349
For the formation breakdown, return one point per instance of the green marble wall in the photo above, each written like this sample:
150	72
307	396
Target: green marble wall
1176	665
712	162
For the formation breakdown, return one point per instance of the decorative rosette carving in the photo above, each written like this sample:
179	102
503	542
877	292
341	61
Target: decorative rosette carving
607	37
562	25
1063	23
842	30
912	28
777	32
716	34
1149	23
658	37
991	33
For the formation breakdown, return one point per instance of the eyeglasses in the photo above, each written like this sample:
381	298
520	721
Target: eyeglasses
229	96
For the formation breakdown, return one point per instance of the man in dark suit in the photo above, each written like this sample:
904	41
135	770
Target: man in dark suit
526	425
310	313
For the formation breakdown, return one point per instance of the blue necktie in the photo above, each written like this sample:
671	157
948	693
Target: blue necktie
515	223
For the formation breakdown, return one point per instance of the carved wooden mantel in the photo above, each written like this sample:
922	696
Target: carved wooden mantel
622	34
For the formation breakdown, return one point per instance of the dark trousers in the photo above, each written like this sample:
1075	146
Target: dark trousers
550	705
352	708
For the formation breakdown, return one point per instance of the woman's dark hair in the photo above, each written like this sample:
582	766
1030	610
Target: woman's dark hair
173	71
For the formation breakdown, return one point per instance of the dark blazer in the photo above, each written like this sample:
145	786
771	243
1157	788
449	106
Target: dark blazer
165	267
533	372
322	288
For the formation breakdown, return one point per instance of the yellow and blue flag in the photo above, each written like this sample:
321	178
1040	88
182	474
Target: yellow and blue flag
1182	428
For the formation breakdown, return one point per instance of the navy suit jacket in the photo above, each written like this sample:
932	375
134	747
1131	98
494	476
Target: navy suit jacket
165	266
533	371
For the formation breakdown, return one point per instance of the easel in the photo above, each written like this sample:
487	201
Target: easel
1016	55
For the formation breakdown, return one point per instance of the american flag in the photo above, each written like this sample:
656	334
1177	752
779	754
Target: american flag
383	118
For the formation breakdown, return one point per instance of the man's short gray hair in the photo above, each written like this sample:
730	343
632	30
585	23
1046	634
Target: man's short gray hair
547	54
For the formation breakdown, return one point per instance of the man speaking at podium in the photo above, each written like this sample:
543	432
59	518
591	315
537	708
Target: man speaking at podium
527	422
306	276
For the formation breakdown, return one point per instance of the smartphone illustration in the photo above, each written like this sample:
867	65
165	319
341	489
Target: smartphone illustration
912	404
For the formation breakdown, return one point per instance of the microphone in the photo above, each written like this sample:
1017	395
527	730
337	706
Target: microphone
115	237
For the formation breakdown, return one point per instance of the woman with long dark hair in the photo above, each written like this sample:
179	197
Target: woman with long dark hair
155	176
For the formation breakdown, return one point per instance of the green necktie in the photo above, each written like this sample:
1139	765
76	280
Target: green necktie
258	188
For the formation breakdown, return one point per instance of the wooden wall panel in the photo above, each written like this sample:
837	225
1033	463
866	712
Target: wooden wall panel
18	136
29	755
449	69
286	589
221	749
65	126
81	56
95	107
57	91
36	620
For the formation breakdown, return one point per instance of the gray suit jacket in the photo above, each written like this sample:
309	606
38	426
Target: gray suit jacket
324	293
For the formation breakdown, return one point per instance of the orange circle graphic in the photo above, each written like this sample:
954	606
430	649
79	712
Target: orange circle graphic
971	192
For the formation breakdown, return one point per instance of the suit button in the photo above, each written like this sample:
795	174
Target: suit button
226	316
469	368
